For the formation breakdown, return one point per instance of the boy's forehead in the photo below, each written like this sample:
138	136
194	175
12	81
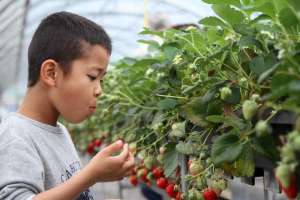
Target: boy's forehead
97	68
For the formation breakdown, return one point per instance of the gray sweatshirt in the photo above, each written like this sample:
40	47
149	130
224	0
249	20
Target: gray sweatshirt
35	157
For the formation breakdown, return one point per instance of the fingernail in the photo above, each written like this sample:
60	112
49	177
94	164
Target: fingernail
119	142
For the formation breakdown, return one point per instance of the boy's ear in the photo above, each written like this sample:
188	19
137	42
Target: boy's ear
49	72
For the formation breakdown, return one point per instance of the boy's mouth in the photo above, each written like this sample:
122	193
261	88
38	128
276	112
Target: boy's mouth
93	108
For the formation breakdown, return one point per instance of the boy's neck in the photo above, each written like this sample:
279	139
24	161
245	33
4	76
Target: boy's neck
37	106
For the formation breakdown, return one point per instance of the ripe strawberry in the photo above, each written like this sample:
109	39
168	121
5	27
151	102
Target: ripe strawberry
90	148
133	180
162	183
291	191
286	181
142	174
157	172
170	189
178	196
249	109
97	142
210	195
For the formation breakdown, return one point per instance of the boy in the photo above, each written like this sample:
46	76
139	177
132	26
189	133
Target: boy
67	57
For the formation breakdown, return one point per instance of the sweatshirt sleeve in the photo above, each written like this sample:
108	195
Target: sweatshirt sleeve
21	169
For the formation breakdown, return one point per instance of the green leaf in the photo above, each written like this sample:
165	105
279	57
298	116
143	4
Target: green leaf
289	19
294	4
150	43
148	31
230	121
266	146
215	118
229	14
167	104
144	63
245	165
195	110
268	9
192	88
185	148
257	65
267	73
170	162
281	80
170	52
226	148
213	21
249	41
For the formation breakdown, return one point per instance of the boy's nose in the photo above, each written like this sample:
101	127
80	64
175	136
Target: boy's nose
98	90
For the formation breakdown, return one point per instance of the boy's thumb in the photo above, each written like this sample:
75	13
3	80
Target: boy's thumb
113	148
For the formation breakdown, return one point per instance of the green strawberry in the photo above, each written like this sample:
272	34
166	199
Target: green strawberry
194	194
296	143
225	93
201	183
178	129
288	154
220	184
255	97
243	82
297	124
249	108
292	136
149	162
195	168
262	128
160	158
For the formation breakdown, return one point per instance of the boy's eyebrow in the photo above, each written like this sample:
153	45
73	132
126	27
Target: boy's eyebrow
98	69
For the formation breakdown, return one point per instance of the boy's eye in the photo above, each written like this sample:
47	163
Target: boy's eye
92	77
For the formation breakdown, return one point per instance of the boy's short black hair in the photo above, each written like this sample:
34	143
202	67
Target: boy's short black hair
61	37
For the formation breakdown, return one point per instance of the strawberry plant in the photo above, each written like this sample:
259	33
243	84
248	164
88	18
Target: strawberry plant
208	93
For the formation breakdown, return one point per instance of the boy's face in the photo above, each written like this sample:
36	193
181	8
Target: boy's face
75	96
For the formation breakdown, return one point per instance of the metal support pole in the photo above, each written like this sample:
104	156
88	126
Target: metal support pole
183	171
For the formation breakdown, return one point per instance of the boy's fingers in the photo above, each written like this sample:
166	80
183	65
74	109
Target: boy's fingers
113	148
129	164
124	154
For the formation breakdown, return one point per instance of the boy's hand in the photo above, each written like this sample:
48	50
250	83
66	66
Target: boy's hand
105	167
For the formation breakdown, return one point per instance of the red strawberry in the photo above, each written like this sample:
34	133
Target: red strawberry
162	183
291	191
157	172
142	173
210	195
90	148
97	142
133	180
178	196
170	189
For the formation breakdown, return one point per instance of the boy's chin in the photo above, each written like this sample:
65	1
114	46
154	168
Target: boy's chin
77	119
